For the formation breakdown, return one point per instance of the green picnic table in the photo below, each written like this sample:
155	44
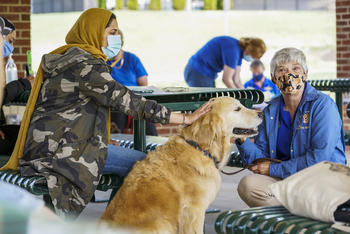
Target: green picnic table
187	99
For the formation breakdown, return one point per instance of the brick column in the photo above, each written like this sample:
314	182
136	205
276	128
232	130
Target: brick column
18	11
343	38
342	9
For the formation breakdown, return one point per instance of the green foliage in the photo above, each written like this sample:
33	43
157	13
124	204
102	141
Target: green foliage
155	5
132	5
210	4
101	4
220	5
179	4
119	4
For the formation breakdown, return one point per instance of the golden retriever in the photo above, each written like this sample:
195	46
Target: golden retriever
169	191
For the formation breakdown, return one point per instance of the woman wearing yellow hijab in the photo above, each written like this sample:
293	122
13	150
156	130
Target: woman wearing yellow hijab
65	130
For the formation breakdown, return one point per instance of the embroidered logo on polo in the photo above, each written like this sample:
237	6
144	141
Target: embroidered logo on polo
304	124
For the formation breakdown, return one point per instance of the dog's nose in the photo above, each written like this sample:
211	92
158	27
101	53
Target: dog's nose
261	115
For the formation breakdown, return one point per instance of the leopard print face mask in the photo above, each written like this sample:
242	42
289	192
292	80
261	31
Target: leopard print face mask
289	83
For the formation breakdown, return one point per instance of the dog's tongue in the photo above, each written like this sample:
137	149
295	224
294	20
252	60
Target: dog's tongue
244	131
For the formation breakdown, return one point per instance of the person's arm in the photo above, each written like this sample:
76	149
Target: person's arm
237	78
227	76
142	81
325	135
2	71
100	86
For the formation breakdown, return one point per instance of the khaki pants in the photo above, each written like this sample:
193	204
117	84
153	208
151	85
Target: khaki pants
253	190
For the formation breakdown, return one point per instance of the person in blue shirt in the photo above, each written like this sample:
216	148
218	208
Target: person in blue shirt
128	70
301	127
225	54
261	82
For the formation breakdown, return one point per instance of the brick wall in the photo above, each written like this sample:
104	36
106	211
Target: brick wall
343	47
166	130
18	11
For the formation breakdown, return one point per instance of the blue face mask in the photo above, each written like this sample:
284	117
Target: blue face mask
114	46
257	78
248	58
7	49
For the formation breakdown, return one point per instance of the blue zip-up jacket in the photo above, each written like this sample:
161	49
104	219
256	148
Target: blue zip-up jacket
317	135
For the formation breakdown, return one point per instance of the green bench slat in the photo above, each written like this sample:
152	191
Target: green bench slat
274	219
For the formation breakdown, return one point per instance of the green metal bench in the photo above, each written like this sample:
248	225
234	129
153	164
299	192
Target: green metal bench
273	219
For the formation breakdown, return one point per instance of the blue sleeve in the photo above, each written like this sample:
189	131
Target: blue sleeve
246	84
231	54
250	151
139	68
325	128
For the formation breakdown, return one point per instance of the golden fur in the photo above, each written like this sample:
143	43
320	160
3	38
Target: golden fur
169	191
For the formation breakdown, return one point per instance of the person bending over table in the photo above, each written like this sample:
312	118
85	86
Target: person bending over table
225	54
301	127
65	129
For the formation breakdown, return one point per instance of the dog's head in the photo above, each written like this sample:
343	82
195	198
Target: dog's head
227	118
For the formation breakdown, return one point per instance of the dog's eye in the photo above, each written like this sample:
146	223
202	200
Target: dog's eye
238	109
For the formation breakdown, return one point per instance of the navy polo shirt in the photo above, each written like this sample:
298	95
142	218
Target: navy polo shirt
216	53
131	70
268	86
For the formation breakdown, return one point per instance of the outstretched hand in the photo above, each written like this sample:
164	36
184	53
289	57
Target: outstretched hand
205	108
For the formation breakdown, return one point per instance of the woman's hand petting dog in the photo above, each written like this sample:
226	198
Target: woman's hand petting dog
262	168
205	108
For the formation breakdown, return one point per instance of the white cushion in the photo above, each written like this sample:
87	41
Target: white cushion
315	192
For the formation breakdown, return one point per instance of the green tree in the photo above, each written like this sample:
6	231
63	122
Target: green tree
119	4
210	4
132	5
155	5
179	4
221	4
101	4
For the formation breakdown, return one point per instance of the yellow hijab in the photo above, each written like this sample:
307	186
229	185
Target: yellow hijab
87	34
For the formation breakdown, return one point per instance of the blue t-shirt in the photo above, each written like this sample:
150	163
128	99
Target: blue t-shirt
216	53
131	70
285	130
268	86
284	136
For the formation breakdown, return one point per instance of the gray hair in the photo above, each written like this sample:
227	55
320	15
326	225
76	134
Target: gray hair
287	55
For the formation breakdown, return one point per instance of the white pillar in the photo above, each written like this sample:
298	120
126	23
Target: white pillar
188	5
227	5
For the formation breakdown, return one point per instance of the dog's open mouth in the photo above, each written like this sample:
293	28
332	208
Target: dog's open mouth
245	131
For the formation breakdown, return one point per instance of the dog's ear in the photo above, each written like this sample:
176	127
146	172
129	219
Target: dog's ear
209	130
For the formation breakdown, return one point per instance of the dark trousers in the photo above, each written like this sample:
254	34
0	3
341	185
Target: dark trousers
8	144
121	120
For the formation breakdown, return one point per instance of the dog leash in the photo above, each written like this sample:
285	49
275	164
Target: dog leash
254	163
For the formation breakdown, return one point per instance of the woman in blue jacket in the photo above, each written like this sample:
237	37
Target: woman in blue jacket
301	127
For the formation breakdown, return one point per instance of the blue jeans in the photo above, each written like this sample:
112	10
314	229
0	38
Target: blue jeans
120	161
195	79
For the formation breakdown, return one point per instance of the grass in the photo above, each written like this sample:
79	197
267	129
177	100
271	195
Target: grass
165	40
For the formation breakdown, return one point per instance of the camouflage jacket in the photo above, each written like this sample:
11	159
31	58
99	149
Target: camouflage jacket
67	137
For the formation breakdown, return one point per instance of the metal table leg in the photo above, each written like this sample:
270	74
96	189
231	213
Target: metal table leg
140	135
